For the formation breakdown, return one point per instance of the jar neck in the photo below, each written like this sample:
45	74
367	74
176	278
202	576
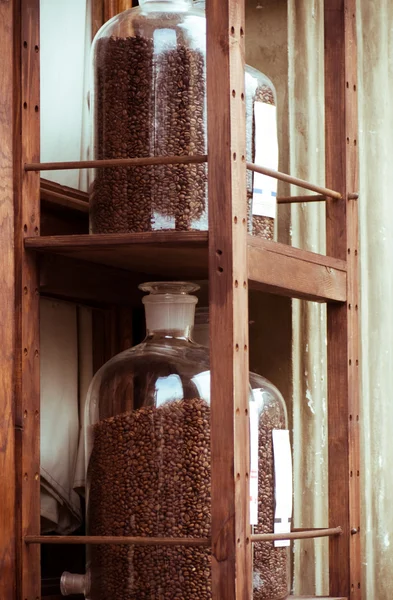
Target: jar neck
164	335
167	320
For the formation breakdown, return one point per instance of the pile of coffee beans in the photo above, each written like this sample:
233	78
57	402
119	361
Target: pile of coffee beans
261	226
149	475
153	103
270	564
148	103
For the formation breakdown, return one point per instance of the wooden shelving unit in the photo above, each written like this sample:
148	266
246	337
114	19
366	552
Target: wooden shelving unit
97	268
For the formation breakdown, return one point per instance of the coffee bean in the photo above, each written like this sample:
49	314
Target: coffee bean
142	108
149	475
270	564
154	104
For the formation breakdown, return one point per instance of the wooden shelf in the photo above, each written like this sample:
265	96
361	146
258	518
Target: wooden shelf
273	267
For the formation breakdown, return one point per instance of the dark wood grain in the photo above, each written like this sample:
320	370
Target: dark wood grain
27	223
81	281
9	145
316	598
112	162
97	16
342	242
273	267
115	540
228	290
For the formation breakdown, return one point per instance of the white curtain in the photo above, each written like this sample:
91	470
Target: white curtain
65	29
375	89
66	365
375	66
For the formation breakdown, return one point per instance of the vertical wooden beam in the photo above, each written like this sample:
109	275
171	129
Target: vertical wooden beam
231	547
27	223
97	16
9	122
110	9
343	326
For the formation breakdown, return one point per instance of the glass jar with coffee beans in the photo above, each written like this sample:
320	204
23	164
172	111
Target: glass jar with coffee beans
149	99
148	457
273	483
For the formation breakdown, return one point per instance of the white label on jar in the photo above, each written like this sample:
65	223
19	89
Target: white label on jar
282	483
253	463
264	192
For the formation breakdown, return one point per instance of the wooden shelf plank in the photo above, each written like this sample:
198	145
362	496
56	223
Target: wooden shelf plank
281	269
316	598
273	267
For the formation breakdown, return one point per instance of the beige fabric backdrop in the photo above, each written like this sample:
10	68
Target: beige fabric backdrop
375	86
306	134
375	32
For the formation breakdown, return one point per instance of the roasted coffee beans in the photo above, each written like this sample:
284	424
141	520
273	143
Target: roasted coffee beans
149	475
270	564
148	103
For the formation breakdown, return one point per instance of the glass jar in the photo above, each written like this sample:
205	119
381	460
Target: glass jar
271	562
149	99
261	149
148	457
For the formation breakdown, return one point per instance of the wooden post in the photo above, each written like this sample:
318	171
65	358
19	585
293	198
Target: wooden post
27	223
231	545
343	343
9	119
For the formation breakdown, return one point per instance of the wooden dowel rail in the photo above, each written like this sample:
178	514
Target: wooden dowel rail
301	534
298	199
296	534
294	180
115	540
116	162
172	160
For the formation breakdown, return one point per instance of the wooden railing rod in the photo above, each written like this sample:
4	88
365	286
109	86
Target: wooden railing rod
295	181
297	535
116	162
115	540
169	160
298	199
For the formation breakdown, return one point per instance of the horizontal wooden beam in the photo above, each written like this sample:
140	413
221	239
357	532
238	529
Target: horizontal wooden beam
287	271
63	196
115	540
116	162
88	283
272	267
164	541
316	598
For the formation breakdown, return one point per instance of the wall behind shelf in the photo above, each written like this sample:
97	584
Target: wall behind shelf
287	344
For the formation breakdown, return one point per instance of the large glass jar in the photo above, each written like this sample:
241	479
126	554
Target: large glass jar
271	562
150	100
148	457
